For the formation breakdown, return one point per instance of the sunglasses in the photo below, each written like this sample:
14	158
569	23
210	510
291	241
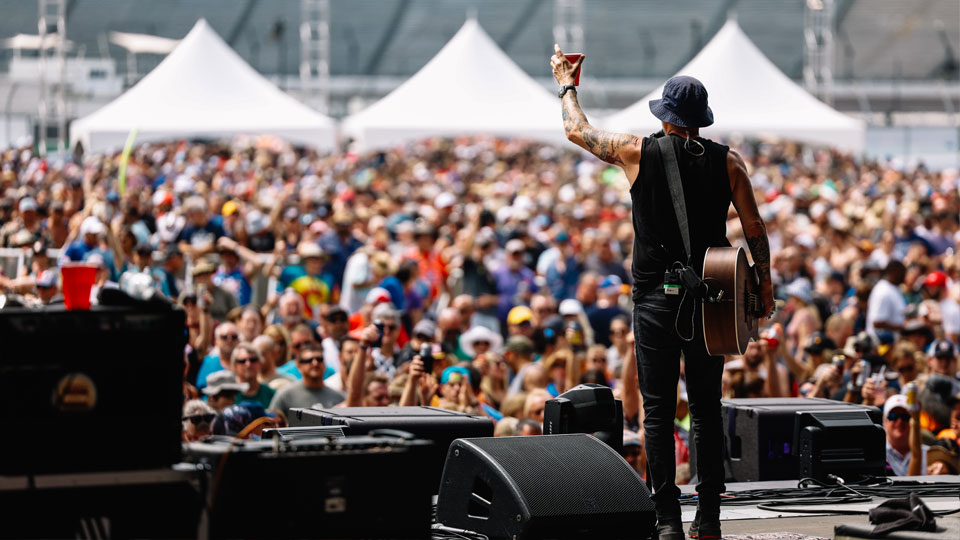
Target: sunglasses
337	319
297	345
893	416
907	368
200	418
251	359
312	359
389	327
619	332
231	337
424	337
481	343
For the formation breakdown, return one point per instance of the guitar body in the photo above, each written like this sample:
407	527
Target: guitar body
730	323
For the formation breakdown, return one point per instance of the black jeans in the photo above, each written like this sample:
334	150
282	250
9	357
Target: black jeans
658	349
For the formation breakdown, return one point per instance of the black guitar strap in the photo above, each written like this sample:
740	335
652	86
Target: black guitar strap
670	166
691	280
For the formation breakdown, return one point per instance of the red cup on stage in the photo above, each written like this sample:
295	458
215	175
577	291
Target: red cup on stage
78	280
572	58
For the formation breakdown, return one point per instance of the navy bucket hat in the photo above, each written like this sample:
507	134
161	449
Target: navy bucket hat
684	103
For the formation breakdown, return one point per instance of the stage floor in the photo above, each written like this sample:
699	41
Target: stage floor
749	522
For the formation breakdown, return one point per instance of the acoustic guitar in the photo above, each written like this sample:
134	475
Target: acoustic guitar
730	322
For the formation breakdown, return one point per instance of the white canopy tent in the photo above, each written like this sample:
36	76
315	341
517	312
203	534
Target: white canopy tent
202	89
749	96
469	87
144	43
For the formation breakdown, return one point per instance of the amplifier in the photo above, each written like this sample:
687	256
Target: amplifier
86	391
349	487
769	438
438	425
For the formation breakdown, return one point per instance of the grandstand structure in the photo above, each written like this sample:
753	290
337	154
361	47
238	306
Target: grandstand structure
891	61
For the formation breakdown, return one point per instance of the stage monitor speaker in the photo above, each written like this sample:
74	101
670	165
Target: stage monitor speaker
762	436
550	486
441	426
328	487
847	444
95	390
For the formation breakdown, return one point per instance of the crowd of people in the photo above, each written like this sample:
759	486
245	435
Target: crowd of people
489	276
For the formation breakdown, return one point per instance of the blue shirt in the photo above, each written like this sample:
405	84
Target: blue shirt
211	364
235	283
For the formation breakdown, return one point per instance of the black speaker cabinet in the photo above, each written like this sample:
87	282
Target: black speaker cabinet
97	390
550	486
441	426
771	438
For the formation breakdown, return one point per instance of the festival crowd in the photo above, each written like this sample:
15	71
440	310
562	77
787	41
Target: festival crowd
489	276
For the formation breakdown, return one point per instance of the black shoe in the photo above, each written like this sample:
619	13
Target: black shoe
706	527
670	529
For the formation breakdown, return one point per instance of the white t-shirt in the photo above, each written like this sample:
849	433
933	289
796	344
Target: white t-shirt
900	463
885	304
950	313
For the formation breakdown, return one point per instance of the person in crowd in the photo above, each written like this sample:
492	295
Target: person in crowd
245	362
197	420
239	266
942	360
520	322
221	389
886	308
308	279
250	323
310	390
270	351
222	300
226	338
617	351
334	327
896	424
199	235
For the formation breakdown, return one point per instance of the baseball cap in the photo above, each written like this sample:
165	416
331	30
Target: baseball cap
519	345
425	327
818	343
519	315
611	284
161	198
454	373
515	246
942	348
933	279
222	381
801	289
570	307
28	204
896	401
885	339
377	295
307	250
229	208
47	278
445	200
92	225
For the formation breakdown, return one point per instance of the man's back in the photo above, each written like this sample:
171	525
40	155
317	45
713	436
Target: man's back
706	188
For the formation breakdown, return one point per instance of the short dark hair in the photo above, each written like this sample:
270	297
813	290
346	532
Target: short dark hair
310	346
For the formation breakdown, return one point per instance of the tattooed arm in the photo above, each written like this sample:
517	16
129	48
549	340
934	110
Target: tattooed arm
615	148
753	228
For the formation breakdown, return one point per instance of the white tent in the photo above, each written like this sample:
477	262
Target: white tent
202	89
144	43
469	87
749	96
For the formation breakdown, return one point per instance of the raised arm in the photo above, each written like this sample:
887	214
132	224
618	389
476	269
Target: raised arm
620	149
754	229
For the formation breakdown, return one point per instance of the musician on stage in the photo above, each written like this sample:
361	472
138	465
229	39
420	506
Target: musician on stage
665	324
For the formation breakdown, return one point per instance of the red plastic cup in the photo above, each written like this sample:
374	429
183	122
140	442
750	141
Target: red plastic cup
78	280
572	58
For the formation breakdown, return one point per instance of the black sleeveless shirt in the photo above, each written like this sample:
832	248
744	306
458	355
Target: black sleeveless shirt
657	242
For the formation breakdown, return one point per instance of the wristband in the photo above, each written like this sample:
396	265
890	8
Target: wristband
564	88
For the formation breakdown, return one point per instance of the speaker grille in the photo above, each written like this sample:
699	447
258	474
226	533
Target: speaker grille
595	479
